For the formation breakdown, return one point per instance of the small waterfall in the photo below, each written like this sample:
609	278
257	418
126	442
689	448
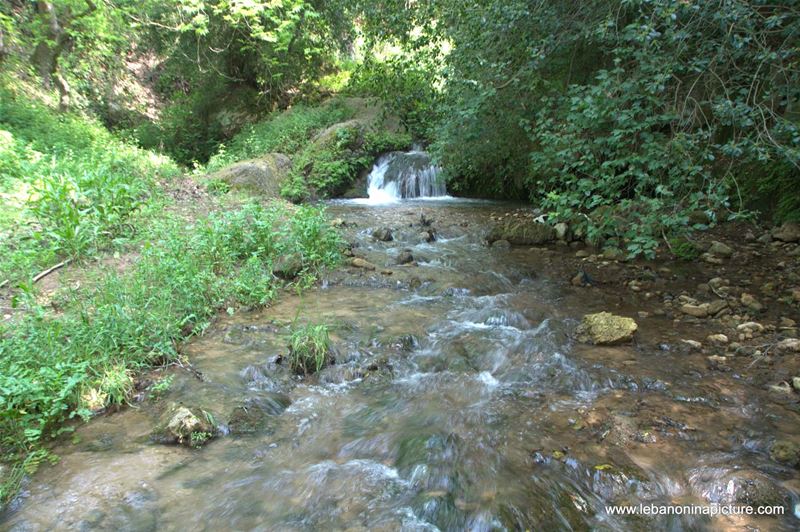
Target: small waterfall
403	175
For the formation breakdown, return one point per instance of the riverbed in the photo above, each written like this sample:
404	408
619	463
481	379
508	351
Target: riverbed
459	400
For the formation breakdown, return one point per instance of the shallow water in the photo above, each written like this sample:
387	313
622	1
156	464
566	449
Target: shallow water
458	401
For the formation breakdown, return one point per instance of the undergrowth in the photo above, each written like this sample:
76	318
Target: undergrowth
68	186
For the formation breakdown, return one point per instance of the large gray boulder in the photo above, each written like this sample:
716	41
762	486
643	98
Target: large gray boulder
263	175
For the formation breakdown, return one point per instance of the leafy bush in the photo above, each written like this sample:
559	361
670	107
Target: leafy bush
403	83
309	349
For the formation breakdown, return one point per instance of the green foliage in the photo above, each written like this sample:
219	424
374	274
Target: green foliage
198	439
72	186
403	84
283	132
684	249
309	349
161	386
134	319
253	285
621	117
328	168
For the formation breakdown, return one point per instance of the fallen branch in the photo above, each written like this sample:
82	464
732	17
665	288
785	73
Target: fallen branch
50	270
4	283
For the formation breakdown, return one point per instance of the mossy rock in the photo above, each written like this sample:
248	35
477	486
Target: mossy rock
264	175
522	233
786	452
185	426
605	328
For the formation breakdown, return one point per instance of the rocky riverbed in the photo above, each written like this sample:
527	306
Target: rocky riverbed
470	390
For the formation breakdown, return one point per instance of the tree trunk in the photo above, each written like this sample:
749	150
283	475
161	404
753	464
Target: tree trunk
45	55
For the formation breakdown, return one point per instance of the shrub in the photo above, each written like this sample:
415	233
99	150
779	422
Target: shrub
72	185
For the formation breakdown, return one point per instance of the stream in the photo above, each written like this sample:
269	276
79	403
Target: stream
458	400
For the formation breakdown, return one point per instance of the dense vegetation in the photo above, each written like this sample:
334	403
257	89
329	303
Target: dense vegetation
636	121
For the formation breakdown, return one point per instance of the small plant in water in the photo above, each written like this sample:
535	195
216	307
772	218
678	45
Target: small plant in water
199	438
161	386
309	349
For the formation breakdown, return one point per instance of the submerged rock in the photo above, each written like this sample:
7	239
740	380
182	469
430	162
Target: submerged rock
257	414
358	262
605	328
384	234
522	232
263	175
184	426
405	257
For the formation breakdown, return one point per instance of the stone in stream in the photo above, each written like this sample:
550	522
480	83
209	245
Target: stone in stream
426	236
605	328
501	244
383	234
698	311
358	262
405	257
613	254
720	250
785	452
184	426
562	231
522	232
751	302
788	345
257	414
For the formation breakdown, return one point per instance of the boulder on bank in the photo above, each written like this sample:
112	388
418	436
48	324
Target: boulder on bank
605	328
788	232
184	426
522	232
263	175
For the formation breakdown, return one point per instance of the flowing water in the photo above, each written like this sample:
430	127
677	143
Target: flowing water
458	401
399	175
